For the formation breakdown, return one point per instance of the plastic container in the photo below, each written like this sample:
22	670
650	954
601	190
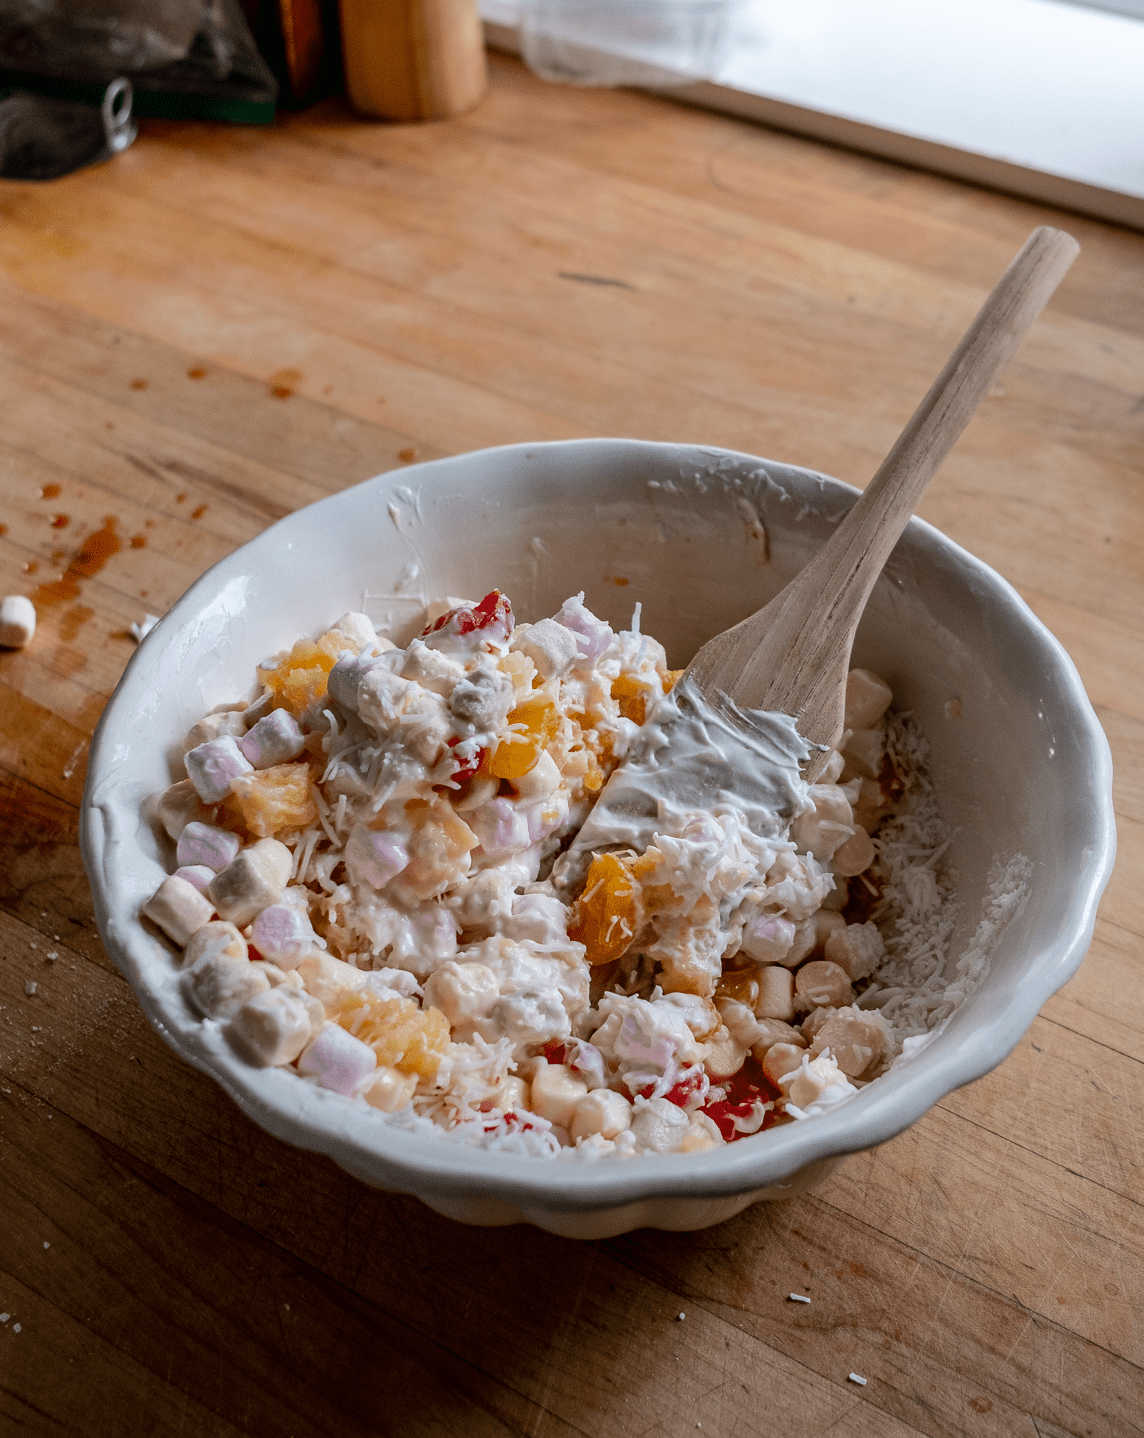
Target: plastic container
625	42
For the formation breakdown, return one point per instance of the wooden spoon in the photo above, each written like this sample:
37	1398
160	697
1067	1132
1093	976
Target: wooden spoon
792	656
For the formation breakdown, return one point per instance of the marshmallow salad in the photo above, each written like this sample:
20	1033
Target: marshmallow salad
378	885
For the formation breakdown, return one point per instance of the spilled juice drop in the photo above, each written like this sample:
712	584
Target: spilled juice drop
49	491
89	559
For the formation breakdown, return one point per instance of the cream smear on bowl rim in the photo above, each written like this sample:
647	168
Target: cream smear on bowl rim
697	478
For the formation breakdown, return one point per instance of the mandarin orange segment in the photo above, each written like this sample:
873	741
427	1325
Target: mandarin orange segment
401	1035
671	679
516	755
274	799
632	696
608	916
300	678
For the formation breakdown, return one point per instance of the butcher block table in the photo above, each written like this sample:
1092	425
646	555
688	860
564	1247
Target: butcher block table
224	324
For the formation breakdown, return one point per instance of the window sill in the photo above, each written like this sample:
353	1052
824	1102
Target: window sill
990	91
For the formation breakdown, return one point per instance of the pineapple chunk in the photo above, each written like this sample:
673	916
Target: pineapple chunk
274	799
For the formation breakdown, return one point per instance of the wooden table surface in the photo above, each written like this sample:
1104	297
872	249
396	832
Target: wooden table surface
224	324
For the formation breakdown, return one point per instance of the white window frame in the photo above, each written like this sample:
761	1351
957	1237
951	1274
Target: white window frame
1042	98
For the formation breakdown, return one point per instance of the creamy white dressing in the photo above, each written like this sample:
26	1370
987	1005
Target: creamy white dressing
692	754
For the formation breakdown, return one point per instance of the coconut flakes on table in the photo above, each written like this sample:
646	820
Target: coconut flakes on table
364	895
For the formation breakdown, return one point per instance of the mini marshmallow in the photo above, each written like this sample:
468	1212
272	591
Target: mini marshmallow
867	699
389	1089
603	1111
209	845
550	645
179	909
252	882
767	938
178	806
501	827
374	857
337	1061
358	629
197	874
273	740
283	934
216	725
213	767
592	635
556	1094
218	937
17	621
219	985
776	993
820	983
274	1027
857	948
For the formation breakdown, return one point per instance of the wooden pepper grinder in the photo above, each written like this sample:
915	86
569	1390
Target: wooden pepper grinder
413	59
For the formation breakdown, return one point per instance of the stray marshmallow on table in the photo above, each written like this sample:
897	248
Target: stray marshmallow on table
17	621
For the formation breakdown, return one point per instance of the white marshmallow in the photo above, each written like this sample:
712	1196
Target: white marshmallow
358	629
17	621
215	726
776	993
857	948
463	992
867	699
218	937
603	1111
178	806
274	1027
555	1094
207	844
541	781
219	985
214	766
592	635
179	909
550	645
273	740
337	1061
501	827
252	882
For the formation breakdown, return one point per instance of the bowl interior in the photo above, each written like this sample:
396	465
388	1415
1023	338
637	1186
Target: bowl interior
699	538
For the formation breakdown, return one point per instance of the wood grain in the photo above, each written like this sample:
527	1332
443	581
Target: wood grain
224	325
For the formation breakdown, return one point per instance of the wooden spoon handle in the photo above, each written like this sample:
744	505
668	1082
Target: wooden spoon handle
793	654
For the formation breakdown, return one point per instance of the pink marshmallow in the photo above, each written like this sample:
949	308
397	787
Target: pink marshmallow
283	935
592	635
214	766
501	827
337	1061
375	857
538	826
207	844
273	740
197	874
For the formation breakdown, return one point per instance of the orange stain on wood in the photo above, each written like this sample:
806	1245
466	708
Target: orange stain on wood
138	384
92	554
138	541
196	372
407	456
31	566
61	521
619	580
199	512
73	620
283	382
3	530
49	491
179	498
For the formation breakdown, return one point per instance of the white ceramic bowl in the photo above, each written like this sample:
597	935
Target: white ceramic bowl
1025	769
